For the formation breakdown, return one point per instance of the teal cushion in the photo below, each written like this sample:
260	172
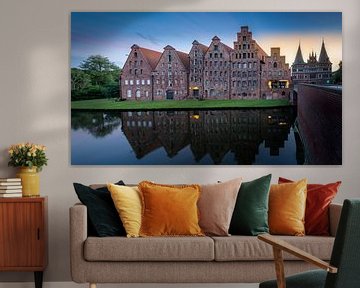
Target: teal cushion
309	279
250	216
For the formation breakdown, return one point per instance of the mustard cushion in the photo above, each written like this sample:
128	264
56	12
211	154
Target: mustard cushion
169	210
287	204
127	201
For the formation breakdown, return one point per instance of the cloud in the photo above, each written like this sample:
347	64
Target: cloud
150	38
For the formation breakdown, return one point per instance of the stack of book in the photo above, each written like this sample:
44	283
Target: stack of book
10	187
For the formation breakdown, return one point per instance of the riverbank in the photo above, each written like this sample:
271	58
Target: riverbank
112	104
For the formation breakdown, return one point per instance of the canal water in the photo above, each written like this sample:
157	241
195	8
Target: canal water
203	137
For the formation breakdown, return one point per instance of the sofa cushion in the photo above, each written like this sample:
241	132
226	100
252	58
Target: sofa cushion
244	248
149	249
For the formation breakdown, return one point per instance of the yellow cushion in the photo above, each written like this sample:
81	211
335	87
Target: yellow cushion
169	210
287	204
127	201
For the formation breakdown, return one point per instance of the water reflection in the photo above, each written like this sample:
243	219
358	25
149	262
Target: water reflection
247	136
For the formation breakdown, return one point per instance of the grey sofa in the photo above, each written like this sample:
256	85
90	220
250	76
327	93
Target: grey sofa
234	259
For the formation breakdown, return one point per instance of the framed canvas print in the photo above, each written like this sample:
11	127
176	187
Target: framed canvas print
209	88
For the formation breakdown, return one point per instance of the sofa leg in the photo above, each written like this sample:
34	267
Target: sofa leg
92	285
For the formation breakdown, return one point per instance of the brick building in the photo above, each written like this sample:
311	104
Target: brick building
247	60
196	79
217	68
171	75
216	71
277	75
314	71
137	74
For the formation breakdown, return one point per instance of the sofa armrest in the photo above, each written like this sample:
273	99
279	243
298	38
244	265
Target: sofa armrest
78	235
334	217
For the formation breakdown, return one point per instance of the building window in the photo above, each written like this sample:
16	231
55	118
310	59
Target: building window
130	71
138	94
216	55
141	71
210	55
244	38
137	82
131	82
148	82
135	71
275	65
142	82
128	93
220	55
135	54
169	58
216	48
146	93
244	55
126	82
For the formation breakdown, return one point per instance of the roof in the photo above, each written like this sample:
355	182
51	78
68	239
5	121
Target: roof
151	56
203	47
228	48
184	58
323	58
299	58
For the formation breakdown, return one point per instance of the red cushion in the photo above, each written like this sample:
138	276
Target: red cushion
319	197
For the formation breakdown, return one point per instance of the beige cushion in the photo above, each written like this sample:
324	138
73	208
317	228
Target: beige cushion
242	248
216	206
149	249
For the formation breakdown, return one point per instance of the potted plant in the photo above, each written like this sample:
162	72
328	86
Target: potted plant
30	158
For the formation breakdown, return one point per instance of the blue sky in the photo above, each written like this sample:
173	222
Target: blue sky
111	34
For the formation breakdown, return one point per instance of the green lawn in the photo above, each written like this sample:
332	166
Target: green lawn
104	104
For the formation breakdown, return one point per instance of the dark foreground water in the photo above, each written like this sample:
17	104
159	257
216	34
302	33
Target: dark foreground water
238	137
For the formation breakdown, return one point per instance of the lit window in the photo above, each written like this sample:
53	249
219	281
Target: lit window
148	82
137	82
128	93
147	93
138	94
126	82
131	82
142	82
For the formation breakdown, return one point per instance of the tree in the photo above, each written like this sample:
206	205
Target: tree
100	69
79	79
337	75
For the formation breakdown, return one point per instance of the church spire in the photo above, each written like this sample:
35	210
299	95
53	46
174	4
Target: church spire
299	58
323	58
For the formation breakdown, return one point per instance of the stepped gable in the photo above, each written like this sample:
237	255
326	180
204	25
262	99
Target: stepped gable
299	58
151	56
323	58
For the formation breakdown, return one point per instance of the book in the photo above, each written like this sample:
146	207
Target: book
10	183
9	188
10	180
10	191
2	195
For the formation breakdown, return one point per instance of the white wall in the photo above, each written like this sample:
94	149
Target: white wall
35	105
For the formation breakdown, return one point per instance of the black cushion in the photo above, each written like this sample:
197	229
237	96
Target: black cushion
103	218
309	279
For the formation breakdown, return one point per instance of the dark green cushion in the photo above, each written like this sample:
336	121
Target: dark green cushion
103	218
250	216
309	279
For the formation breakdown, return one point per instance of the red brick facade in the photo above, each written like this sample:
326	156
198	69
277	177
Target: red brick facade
171	75
247	60
277	74
137	76
216	71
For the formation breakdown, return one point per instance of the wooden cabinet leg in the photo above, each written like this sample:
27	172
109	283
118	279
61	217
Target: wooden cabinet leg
38	279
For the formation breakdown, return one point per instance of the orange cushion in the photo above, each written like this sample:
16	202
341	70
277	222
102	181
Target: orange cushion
287	204
169	210
318	200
